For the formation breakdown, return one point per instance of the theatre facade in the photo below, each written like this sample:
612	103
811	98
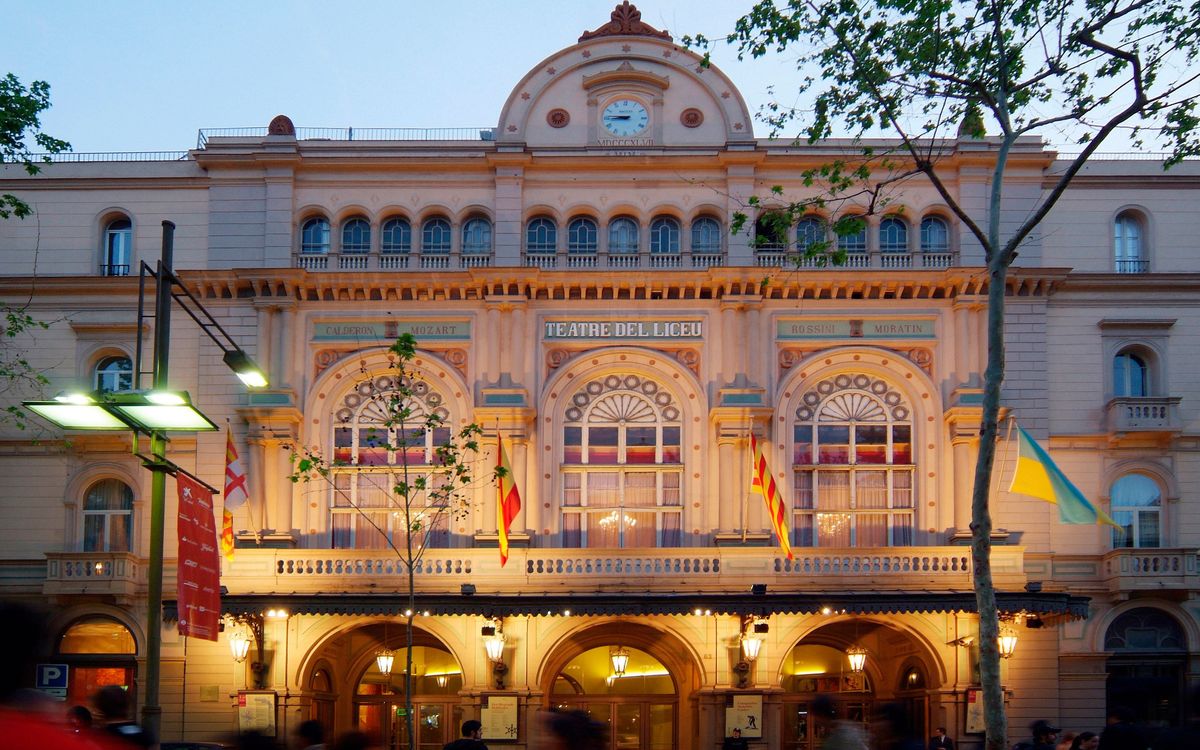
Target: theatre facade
573	286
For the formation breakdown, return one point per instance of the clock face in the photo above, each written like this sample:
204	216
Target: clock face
625	117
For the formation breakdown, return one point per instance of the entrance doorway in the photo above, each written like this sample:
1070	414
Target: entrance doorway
639	704
379	705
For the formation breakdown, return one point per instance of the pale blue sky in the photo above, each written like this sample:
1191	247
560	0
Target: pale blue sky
144	76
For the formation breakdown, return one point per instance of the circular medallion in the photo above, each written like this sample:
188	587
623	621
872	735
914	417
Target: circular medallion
558	118
691	117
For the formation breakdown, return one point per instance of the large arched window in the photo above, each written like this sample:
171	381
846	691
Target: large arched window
810	234
622	469
582	236
118	247
935	235
113	374
1137	507
370	459
893	235
435	236
853	465
771	231
477	237
1147	666
356	236
623	236
396	236
1128	248
664	236
314	236
1130	375
706	236
855	242
541	236
108	517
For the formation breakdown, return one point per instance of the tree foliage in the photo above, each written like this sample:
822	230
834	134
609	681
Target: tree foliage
20	121
929	72
421	495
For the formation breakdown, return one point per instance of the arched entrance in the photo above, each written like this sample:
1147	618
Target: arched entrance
1146	672
379	704
98	651
633	677
818	677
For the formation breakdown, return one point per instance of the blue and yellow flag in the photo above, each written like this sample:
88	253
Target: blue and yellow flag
1038	476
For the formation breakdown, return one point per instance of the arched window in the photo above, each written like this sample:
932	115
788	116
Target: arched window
623	236
113	374
935	235
893	235
621	465
370	459
1130	255
118	248
356	236
853	465
108	517
664	235
771	231
435	236
1130	375
314	236
98	651
1137	507
1148	666
810	234
855	242
583	236
477	237
706	236
396	236
541	236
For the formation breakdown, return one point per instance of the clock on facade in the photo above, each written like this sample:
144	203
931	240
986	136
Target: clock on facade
625	117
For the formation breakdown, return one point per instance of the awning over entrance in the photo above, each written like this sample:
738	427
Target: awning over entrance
1045	604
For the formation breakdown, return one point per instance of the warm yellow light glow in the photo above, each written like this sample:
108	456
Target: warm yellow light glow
441	680
751	645
384	658
276	614
1007	642
494	645
239	645
620	659
857	656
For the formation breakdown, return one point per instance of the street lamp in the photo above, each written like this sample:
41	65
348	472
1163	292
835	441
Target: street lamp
153	413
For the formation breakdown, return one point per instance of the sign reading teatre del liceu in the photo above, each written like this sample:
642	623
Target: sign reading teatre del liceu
641	328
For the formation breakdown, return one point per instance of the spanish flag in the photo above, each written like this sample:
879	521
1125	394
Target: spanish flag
1037	476
235	495
508	498
763	483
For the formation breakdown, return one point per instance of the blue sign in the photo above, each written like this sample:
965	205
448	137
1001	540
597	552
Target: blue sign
52	676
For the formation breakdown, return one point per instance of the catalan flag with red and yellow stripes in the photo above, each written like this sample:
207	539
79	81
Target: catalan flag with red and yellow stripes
508	499
235	495
762	482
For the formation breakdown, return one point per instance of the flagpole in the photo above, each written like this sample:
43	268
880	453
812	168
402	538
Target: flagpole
1005	455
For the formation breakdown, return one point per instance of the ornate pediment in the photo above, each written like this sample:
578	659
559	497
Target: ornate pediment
626	21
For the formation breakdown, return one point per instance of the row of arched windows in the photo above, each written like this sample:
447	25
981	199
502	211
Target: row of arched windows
665	236
435	236
893	235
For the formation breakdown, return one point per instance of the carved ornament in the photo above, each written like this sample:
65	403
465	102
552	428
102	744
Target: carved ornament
626	21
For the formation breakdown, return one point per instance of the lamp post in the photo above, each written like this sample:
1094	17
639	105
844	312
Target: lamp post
154	413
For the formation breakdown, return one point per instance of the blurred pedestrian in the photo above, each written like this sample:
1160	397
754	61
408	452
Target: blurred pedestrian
1085	741
575	730
311	735
472	734
79	719
735	741
352	741
1122	733
113	703
940	741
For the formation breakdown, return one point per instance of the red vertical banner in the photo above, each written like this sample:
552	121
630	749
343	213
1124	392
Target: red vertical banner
199	567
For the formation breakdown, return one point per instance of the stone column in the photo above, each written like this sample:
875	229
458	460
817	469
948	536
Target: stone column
753	356
265	340
257	472
964	481
728	501
527	483
728	343
492	363
282	362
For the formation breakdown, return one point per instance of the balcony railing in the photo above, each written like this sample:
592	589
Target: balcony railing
108	573
1143	414
1128	570
1132	266
784	259
531	570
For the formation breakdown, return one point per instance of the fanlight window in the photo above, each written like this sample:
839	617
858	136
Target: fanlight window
853	465
477	237
582	236
370	458
356	236
622	467
435	236
706	236
623	237
810	234
541	236
855	242
935	235
664	235
314	236
396	236
435	671
893	236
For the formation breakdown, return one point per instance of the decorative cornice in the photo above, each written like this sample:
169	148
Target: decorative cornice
626	21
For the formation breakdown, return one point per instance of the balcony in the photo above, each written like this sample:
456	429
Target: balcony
1134	570
889	261
533	571
119	574
1145	415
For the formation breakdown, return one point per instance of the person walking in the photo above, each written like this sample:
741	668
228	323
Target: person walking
940	741
472	732
735	741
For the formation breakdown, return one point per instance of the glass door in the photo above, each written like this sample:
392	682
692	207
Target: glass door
632	724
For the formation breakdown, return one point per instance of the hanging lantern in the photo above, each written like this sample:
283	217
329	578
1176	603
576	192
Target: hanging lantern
857	656
751	645
239	645
384	659
620	659
1007	642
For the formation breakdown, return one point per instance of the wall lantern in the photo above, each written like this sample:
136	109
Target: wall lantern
239	644
493	644
620	659
753	637
1007	642
857	656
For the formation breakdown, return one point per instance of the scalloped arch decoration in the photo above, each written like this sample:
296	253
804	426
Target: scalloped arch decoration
853	398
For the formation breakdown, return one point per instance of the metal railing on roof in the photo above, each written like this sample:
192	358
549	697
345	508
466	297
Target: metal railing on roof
357	134
91	156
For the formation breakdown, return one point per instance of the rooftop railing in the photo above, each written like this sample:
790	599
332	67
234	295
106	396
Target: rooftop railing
357	134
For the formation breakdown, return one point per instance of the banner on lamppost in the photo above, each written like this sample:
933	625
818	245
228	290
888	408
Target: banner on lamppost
199	568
